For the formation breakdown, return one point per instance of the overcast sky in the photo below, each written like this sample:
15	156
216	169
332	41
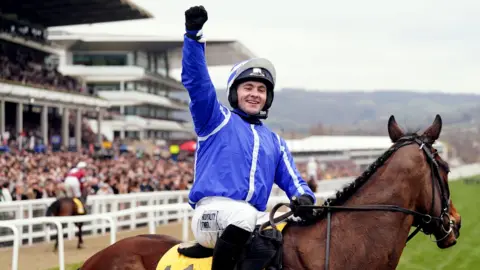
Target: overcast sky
427	45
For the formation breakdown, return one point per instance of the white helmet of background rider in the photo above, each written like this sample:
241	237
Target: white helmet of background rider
256	69
81	164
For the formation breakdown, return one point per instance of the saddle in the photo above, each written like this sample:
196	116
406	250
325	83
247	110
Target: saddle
79	205
262	251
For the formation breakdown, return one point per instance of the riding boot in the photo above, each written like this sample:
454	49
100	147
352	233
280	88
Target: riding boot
229	248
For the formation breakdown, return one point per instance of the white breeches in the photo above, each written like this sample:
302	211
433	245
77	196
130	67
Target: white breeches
213	214
72	187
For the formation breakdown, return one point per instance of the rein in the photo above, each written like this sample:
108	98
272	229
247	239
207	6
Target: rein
425	218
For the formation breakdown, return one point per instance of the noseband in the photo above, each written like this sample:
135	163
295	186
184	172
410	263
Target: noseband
421	220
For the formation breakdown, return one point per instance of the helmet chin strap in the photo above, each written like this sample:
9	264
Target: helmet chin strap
251	118
262	114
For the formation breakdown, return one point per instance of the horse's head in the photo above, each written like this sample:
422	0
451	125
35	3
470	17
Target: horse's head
442	220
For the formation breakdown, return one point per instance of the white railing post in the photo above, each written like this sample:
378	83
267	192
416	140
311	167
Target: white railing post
61	246
104	210
185	225
113	229
30	226
133	216
16	244
95	223
151	222
70	230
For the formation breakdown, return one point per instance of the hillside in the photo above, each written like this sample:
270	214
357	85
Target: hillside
299	110
366	113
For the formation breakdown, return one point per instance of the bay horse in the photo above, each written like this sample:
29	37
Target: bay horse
68	207
364	226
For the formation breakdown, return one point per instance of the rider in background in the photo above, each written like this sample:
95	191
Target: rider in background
238	158
74	180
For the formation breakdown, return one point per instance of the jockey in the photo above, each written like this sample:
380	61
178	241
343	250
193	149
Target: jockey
74	180
238	158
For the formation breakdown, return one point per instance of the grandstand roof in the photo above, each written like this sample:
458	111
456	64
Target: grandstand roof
220	52
50	13
340	143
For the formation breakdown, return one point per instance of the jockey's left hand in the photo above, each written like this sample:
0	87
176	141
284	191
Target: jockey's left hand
304	213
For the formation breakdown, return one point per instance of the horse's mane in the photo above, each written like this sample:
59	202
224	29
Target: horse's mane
344	194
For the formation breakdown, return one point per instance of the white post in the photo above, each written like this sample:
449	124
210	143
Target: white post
19	118
78	130
65	129
99	127
185	225
61	254
44	124
30	226
16	245
151	222
2	117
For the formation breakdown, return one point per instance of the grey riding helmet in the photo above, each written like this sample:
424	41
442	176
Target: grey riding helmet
256	69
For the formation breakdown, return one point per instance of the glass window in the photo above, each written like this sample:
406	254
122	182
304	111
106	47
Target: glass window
104	86
161	113
99	59
161	64
142	111
130	86
130	110
142	60
114	109
141	87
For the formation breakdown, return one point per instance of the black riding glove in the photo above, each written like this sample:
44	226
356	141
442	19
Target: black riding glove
302	212
195	18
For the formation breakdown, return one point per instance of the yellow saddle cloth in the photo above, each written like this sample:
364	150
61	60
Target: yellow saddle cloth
79	204
173	260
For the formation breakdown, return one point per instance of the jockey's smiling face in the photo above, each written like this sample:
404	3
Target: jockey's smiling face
251	96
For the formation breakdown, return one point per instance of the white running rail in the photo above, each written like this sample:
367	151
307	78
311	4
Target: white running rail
183	210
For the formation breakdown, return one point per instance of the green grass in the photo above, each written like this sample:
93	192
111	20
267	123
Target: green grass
74	266
422	254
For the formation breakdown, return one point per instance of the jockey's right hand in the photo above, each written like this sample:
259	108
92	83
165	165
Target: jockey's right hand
195	18
296	207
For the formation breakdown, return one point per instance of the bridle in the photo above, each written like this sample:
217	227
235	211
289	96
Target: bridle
422	221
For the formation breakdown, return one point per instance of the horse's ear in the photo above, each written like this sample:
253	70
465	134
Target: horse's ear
433	132
394	131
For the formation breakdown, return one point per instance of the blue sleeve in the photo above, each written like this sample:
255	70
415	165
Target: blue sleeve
207	112
287	176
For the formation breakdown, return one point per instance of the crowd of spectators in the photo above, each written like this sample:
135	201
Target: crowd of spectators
25	175
327	170
28	67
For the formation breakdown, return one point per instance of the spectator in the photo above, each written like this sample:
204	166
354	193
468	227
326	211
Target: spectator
5	195
19	193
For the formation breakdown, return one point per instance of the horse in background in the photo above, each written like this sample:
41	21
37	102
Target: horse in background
68	206
364	226
312	184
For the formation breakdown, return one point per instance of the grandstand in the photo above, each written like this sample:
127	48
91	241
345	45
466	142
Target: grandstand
133	74
63	88
32	88
345	153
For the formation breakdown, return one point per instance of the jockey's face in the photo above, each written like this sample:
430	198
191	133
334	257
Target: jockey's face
251	97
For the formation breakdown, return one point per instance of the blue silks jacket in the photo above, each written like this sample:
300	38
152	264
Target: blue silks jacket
235	158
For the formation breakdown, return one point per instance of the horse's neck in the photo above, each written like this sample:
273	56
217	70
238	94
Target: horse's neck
370	240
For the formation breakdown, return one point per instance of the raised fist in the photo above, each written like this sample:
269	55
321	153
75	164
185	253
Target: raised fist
195	18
